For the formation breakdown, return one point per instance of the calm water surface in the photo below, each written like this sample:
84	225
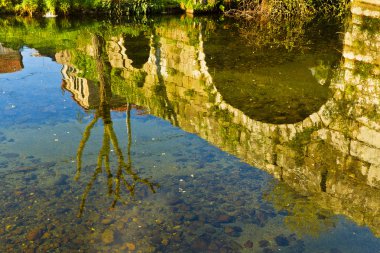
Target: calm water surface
189	135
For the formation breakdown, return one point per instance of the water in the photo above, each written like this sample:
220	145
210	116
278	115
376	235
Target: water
189	135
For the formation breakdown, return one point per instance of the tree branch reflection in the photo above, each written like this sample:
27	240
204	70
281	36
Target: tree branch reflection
124	176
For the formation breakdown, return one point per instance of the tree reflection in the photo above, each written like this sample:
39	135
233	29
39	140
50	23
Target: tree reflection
124	176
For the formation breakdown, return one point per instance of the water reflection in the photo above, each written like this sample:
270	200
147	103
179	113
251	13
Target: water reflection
326	160
10	60
123	176
326	156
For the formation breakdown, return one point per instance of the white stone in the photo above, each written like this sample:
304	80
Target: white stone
369	136
365	152
340	142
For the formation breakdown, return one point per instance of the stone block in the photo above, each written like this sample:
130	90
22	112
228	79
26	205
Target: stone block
366	153
374	176
307	123
369	123
369	136
340	142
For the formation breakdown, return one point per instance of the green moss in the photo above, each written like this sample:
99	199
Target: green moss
370	25
299	142
363	68
190	92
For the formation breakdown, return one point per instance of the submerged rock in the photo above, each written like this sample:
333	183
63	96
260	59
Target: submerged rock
248	244
263	243
47	165
62	180
233	231
282	241
225	218
108	236
199	244
34	234
10	155
128	245
107	221
214	246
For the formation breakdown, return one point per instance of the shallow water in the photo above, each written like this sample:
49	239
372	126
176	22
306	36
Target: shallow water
191	144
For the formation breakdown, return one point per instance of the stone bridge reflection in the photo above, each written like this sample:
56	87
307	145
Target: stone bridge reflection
332	155
10	60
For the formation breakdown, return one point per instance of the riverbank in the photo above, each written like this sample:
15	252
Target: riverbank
246	9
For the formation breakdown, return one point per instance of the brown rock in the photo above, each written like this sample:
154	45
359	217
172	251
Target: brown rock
128	245
225	218
108	236
46	235
199	244
214	246
264	243
107	221
34	234
228	230
248	244
165	242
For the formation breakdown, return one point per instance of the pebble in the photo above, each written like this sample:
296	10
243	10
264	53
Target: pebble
128	245
46	235
233	231
184	207
156	239
199	244
165	242
108	236
107	221
48	165
281	241
23	169
34	234
248	244
263	243
214	246
225	218
62	180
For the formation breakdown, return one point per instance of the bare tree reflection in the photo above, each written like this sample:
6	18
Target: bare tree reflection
124	176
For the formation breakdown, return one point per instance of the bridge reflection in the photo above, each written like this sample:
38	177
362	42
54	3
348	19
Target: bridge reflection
332	155
10	60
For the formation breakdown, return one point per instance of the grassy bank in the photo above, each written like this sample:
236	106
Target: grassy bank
239	8
274	9
73	7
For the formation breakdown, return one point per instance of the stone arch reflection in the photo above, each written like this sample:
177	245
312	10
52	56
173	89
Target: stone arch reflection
331	157
290	67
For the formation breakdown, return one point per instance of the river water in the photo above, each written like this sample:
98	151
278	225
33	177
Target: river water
183	134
